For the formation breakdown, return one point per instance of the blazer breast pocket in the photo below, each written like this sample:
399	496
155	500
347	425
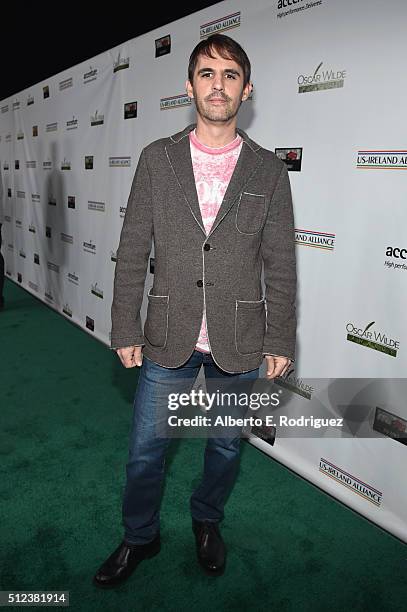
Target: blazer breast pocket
156	324
250	214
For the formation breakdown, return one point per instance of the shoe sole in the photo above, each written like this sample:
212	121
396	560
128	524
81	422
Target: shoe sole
112	585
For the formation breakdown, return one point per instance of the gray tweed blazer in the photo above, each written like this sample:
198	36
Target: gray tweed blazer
220	271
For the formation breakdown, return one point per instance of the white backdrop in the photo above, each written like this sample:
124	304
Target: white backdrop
328	82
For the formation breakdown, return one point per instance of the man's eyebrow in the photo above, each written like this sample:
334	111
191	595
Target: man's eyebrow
227	70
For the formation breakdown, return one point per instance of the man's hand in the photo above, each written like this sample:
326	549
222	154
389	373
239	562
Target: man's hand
276	366
130	356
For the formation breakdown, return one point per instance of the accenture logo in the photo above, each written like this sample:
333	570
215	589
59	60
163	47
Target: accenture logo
396	253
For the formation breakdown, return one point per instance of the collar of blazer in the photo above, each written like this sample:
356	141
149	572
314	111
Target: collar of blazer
179	157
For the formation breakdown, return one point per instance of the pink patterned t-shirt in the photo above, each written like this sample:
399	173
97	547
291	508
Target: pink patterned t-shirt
213	168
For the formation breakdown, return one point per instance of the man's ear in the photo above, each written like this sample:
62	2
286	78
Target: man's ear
247	89
189	89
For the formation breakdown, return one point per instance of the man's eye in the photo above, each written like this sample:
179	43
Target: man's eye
205	74
232	76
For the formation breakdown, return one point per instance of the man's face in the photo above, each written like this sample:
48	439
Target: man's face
217	88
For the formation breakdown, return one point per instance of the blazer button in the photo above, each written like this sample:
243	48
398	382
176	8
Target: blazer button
207	247
199	283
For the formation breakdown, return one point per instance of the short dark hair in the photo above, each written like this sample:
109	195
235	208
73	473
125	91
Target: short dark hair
226	47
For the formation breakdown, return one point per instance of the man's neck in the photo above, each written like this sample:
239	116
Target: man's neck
214	135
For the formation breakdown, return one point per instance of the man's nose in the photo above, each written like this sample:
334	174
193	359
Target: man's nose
217	83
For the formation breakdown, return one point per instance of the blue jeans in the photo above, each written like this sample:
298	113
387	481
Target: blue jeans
147	450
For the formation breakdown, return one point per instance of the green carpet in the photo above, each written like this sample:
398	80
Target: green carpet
66	407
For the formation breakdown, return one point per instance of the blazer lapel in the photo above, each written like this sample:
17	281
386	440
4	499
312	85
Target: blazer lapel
179	157
246	166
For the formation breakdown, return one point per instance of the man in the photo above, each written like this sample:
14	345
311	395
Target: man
218	207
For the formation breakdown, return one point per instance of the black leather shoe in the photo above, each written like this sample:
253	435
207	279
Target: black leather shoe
123	561
210	547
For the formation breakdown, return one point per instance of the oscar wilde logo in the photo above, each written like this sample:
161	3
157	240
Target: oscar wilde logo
295	384
121	63
73	278
321	80
220	25
96	291
372	339
351	482
67	310
72	124
89	247
65	165
174	102
91	75
318	240
48	295
97	119
382	160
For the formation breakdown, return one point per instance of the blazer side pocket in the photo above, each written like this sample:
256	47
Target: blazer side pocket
156	324
250	326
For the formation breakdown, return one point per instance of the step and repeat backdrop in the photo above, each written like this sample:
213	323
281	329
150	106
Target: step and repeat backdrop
328	99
